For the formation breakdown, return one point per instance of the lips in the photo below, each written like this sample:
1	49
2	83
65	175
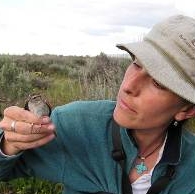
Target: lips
126	106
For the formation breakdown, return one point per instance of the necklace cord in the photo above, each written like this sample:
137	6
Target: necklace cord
144	157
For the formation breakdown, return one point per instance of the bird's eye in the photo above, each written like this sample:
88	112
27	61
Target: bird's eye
36	96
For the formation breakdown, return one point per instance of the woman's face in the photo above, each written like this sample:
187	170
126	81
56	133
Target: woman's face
144	104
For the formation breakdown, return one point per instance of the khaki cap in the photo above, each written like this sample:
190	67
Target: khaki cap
168	54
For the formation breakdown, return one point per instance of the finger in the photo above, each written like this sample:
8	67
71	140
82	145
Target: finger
8	124
17	113
34	144
31	128
16	137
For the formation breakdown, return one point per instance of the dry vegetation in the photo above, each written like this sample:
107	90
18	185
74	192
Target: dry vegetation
61	79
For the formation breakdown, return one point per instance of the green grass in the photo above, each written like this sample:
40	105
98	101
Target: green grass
63	90
30	186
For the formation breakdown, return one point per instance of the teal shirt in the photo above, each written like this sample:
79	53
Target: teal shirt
80	156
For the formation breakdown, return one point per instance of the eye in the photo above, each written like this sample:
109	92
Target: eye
137	65
158	85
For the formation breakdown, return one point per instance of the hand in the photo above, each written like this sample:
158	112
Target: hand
24	130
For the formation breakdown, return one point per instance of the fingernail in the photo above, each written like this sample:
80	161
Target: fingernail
45	120
51	127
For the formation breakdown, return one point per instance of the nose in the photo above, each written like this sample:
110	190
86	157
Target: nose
134	81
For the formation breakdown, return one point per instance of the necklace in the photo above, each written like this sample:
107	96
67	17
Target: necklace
141	167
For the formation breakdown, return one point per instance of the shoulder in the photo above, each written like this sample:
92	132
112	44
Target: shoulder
184	177
83	115
188	138
83	123
188	151
88	107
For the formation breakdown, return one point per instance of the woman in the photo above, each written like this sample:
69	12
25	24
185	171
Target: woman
156	96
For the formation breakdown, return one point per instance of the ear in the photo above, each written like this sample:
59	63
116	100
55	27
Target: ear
186	113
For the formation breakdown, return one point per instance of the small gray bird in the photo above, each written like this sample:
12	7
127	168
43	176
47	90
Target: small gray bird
38	105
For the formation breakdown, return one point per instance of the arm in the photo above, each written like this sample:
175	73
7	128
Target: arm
25	136
6	161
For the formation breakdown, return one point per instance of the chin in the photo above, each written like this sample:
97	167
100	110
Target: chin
121	119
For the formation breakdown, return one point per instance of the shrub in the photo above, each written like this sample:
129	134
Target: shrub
15	84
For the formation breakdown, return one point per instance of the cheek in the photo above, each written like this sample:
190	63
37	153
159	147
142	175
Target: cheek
154	109
158	111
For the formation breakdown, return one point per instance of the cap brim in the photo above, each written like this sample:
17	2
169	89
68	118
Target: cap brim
159	66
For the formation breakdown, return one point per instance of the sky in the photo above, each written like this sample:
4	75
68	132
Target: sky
80	27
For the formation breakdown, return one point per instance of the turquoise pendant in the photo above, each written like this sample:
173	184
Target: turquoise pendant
141	168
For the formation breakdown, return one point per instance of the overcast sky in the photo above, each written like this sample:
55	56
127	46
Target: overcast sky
80	27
